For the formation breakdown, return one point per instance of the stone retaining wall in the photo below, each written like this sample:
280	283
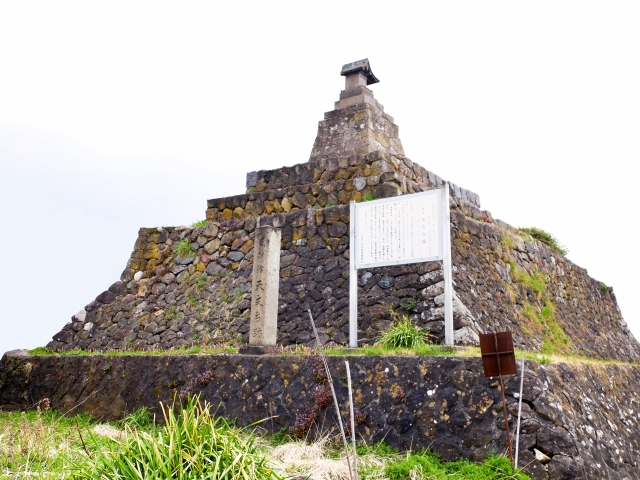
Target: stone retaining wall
164	301
581	420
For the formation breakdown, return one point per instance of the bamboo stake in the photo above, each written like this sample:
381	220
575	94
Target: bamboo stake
519	411
333	392
353	423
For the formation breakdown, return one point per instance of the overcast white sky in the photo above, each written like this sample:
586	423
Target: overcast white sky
117	115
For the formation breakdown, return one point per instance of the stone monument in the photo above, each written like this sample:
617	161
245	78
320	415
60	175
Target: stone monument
264	287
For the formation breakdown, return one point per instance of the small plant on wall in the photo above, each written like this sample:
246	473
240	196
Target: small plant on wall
367	197
604	288
410	305
404	334
546	238
183	248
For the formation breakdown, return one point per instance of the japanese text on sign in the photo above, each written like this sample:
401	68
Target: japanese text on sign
399	230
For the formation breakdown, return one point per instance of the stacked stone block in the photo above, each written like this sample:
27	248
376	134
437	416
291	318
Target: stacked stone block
164	301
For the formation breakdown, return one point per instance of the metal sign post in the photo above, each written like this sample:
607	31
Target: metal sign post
498	359
353	279
396	231
446	267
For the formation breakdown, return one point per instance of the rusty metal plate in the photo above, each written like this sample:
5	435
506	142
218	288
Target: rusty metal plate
498	357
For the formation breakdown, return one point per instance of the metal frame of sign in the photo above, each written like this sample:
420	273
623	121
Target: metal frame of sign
445	256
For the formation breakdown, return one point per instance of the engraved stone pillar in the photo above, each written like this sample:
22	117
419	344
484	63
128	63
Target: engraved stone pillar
265	285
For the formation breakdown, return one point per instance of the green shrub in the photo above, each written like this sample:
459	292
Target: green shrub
201	223
545	237
427	465
404	334
183	248
191	445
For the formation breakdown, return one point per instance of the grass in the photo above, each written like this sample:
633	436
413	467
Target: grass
193	444
507	241
546	238
183	248
427	465
40	443
216	350
543	359
367	197
171	313
202	282
426	349
141	418
200	223
542	318
535	282
323	459
404	334
554	340
410	305
372	350
604	288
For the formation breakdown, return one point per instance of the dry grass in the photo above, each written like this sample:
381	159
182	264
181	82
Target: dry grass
35	444
318	461
108	431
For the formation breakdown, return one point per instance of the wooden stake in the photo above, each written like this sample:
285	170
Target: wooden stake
333	392
353	423
519	411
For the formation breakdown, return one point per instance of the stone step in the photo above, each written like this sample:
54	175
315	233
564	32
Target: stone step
318	195
376	175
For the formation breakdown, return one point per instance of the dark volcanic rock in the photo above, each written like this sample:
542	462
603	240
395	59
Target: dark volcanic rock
443	403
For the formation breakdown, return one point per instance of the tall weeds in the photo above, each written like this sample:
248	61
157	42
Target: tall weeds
404	334
192	444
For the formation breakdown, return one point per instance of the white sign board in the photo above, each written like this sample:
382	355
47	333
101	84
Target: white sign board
399	230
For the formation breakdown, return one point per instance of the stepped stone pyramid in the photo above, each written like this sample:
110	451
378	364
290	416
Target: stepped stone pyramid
166	300
357	153
191	286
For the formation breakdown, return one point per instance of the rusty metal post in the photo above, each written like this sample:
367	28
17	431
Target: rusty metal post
504	401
